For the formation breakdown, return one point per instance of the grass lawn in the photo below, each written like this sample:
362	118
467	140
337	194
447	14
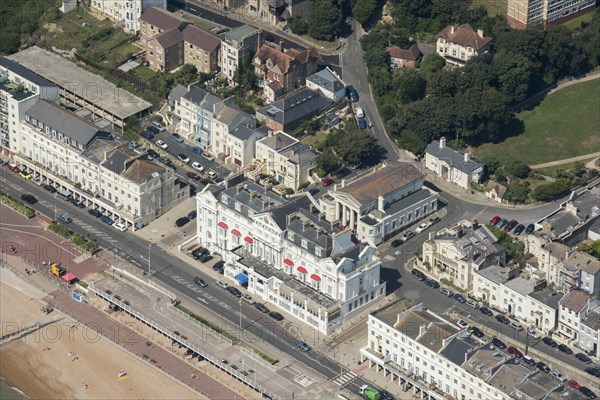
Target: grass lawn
494	7
565	124
315	140
551	171
575	22
144	73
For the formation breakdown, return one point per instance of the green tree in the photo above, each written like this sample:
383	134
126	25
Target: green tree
518	192
410	141
328	161
432	63
409	85
325	19
364	10
551	191
518	168
299	26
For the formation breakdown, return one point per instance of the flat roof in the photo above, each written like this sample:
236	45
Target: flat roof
89	86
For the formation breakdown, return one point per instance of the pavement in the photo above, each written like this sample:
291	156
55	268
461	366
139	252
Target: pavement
567	160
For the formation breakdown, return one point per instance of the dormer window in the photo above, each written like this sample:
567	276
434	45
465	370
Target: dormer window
225	199
60	135
291	235
27	118
304	244
47	130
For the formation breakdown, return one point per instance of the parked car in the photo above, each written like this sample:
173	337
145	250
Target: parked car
498	343
509	227
422	227
106	220
192	214
218	265
502	319
29	198
12	166
152	154
77	203
513	351
362	123
120	227
458	297
205	258
502	223
565	349
447	292
176	137
183	158
94	213
261	307
550	342
516	325
162	144
276	316
583	358
181	221
193	176
65	218
558	376
573	383
25	175
475	331
200	282
302	345
222	285
212	174
197	166
432	283
147	134
352	93
397	242
587	392
407	235
543	367
486	311
418	274
152	129
248	299
38	182
197	150
473	303
158	126
327	181
462	323
495	220
529	361
50	188
234	291
533	333
359	112
593	371
519	229
530	229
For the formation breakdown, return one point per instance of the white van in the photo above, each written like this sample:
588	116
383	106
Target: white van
65	195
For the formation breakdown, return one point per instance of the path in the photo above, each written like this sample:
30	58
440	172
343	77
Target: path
566	160
588	77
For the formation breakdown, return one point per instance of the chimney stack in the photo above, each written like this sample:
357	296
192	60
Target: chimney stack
281	45
453	29
380	203
442	142
480	32
343	183
467	156
475	223
259	39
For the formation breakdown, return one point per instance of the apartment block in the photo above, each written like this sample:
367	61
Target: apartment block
238	47
457	44
578	322
125	12
523	13
226	118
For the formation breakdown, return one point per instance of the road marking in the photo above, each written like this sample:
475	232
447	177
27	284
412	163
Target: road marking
345	378
45	203
16	187
202	300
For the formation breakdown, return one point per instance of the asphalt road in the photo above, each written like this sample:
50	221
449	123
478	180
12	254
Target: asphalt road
124	247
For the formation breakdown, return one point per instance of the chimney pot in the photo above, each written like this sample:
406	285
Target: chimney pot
453	29
467	156
480	32
442	142
281	45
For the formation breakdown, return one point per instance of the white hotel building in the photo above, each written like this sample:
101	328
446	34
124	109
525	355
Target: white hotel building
288	254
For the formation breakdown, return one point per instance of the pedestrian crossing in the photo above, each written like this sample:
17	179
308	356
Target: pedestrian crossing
345	378
91	229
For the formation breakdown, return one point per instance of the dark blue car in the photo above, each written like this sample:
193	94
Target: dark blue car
498	343
362	124
458	297
106	220
432	283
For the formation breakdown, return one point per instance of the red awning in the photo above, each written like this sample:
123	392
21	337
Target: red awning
315	278
248	239
289	262
222	225
68	277
236	232
302	270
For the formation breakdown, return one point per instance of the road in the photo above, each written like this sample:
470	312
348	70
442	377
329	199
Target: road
124	247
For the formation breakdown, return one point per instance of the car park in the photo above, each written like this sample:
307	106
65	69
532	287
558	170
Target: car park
162	144
530	229
302	345
549	341
558	376
502	223
276	316
583	358
473	303
222	285
516	325
193	176
106	220
519	229
197	166
573	383
234	291
25	175
29	198
543	367
200	282
475	331
183	158
509	227
495	220
65	218
248	299
120	227
447	292
565	349
176	137
529	361
462	323
261	307
486	311
498	343
502	319
513	351
147	135
158	126
94	213
587	392
181	221
432	283
397	242
50	188
458	297
422	227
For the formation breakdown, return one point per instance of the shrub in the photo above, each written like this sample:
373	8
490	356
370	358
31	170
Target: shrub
551	191
16	205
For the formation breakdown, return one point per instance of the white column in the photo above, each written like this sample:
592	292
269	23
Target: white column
352	219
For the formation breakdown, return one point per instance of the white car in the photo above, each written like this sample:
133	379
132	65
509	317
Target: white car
161	144
38	182
558	376
222	285
184	158
516	325
120	227
534	334
359	112
422	227
248	299
462	323
197	166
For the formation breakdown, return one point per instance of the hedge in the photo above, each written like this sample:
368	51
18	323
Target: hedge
16	205
74	238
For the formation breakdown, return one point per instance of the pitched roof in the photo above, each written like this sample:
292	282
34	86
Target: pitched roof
412	53
464	35
575	300
381	182
283	59
242	132
279	141
141	170
498	188
453	157
298	104
584	262
201	38
557	250
160	18
326	79
169	38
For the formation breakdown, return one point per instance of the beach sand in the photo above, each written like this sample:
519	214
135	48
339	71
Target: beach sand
41	366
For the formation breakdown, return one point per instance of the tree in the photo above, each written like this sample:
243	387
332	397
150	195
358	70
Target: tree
325	19
492	164
409	85
328	161
432	63
517	168
187	74
518	192
355	145
551	191
364	10
299	26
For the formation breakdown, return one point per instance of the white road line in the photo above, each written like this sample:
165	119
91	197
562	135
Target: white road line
17	187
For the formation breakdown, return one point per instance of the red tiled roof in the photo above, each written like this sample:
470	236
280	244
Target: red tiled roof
500	189
283	59
465	36
412	53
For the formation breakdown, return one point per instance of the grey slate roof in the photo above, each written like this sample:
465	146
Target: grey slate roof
117	161
327	80
63	121
177	92
252	197
453	157
317	232
295	106
278	141
300	153
242	132
456	351
407	201
240	33
547	296
26	73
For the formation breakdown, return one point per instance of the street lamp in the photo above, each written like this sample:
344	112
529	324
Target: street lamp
342	365
240	318
149	246
55	217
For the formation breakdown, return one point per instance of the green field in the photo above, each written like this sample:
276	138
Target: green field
575	22
566	124
493	7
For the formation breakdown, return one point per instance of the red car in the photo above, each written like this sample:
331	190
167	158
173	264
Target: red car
193	176
14	167
573	383
514	352
495	220
327	181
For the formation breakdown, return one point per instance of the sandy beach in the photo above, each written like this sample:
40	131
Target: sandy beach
65	360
